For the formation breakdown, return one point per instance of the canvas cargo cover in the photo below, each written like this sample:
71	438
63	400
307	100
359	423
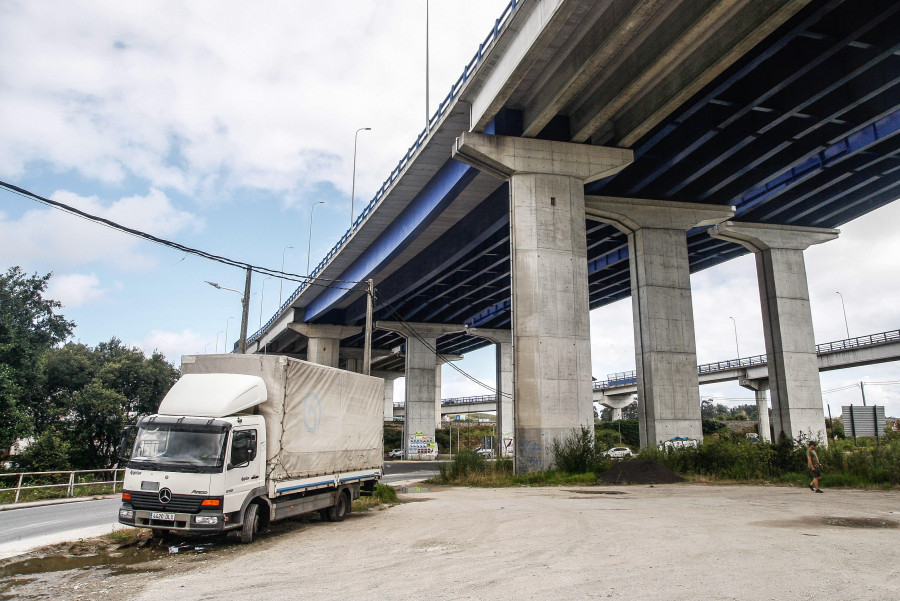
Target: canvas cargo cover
319	420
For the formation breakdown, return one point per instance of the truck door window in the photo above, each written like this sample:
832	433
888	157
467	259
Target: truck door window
243	447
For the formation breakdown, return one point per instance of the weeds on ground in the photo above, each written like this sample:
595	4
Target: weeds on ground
382	495
126	537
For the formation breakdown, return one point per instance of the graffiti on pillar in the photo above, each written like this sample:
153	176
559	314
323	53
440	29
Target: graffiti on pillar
530	457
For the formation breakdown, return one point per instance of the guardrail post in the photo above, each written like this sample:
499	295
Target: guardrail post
19	488
71	491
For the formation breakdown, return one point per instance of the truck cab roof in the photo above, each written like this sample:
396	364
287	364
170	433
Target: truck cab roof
213	395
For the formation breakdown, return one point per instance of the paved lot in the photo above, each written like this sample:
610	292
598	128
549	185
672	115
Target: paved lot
666	542
672	542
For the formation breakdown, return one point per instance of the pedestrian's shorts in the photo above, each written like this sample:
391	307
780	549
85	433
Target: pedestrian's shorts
816	472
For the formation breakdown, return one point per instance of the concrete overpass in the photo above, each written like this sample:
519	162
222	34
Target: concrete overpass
592	150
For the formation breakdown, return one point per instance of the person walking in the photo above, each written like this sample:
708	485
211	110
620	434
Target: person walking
812	458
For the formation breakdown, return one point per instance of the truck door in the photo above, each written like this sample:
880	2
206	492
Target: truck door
242	472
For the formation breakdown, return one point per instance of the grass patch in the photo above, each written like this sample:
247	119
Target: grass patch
126	537
42	494
382	495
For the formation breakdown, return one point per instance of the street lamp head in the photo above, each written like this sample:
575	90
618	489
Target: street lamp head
213	284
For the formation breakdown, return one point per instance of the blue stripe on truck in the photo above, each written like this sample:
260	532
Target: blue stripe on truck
323	483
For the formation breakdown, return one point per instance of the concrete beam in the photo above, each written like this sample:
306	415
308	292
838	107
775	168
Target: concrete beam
665	345
787	321
551	325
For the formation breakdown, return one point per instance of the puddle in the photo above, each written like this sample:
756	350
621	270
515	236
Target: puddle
860	522
834	521
403	490
598	492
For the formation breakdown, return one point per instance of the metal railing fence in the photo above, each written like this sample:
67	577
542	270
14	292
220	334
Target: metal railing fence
73	480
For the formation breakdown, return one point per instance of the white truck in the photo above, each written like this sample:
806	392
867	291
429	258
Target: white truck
241	440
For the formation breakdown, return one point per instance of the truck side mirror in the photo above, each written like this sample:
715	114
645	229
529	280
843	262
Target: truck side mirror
123	452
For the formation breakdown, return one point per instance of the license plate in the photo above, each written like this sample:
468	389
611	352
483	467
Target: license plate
157	515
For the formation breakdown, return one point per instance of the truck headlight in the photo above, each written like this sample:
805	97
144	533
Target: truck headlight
206	519
126	514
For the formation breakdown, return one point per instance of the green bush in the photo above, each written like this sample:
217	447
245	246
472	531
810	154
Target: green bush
630	431
576	453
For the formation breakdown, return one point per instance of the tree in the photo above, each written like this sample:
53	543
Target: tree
29	327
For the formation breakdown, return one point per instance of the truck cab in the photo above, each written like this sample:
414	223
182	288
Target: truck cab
190	473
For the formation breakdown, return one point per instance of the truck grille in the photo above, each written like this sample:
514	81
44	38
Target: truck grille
150	501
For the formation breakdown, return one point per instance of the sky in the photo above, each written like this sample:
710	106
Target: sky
219	125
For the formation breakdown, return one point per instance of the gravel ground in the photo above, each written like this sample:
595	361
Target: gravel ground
672	542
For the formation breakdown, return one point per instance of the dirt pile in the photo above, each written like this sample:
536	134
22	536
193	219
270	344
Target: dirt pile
640	472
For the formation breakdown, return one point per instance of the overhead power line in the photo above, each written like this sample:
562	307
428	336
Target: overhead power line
307	279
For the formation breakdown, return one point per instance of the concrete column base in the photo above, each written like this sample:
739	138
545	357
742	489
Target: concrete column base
506	418
759	388
794	384
665	346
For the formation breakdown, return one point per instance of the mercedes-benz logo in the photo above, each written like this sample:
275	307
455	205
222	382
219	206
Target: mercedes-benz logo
165	495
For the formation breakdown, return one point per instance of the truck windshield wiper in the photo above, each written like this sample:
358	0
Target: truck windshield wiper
147	463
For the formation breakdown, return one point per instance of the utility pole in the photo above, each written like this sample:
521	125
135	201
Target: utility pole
862	389
367	345
245	312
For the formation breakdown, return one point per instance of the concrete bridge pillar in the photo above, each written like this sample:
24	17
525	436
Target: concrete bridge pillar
664	341
353	357
421	363
759	387
324	341
551	325
787	321
437	385
388	377
506	412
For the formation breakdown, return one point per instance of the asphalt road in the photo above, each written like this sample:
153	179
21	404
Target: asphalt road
30	527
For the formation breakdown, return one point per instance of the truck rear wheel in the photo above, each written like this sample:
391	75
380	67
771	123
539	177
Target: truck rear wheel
251	524
340	509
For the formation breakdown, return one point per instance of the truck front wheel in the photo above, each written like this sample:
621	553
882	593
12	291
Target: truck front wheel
251	524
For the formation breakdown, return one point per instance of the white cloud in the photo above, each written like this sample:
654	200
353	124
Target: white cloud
205	97
75	290
175	344
54	236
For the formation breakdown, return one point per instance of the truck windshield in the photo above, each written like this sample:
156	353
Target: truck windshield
170	448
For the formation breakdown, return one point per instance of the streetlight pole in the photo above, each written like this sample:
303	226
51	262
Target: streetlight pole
245	309
217	340
353	187
844	309
309	241
736	347
427	116
281	279
262	295
226	332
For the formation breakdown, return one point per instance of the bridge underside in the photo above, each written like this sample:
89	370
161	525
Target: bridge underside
799	131
786	110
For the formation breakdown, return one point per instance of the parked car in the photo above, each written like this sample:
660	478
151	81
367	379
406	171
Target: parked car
618	453
395	454
486	452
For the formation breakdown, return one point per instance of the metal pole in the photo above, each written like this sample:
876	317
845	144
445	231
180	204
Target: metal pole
862	389
280	279
370	307
497	430
844	309
19	487
427	116
736	347
225	344
309	241
353	187
245	312
262	298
